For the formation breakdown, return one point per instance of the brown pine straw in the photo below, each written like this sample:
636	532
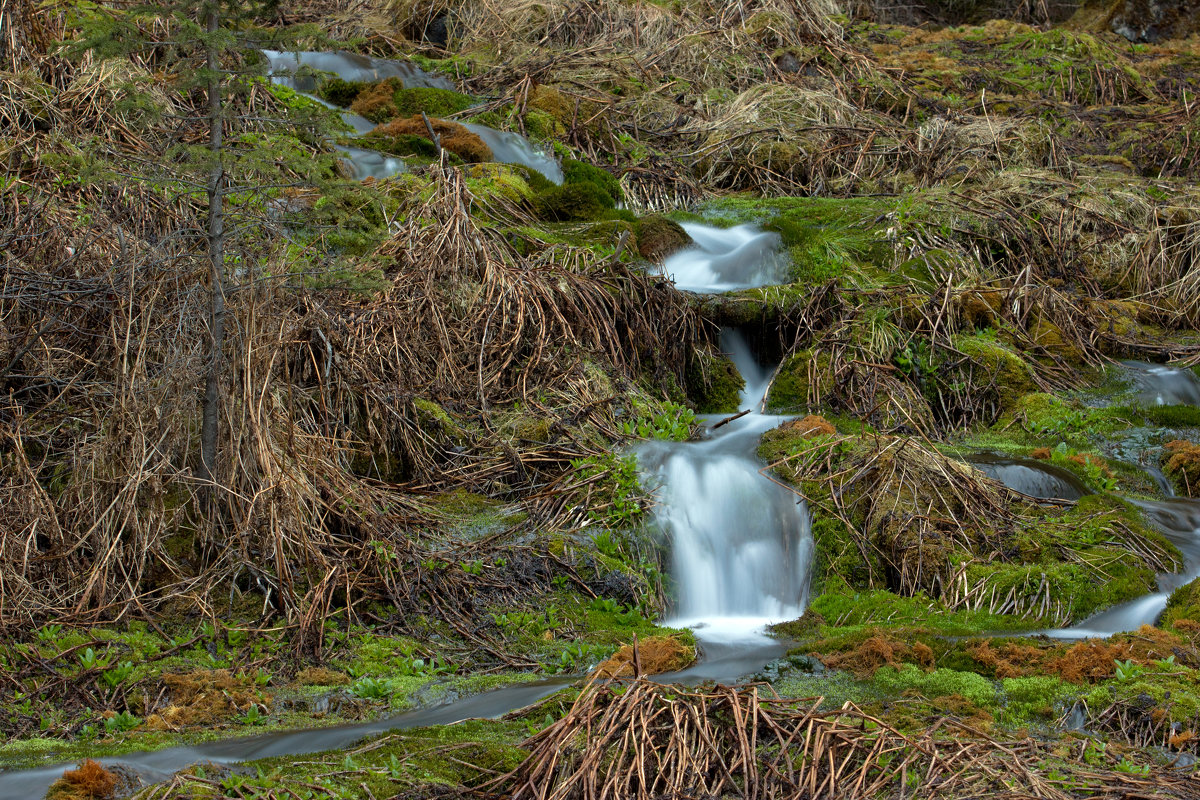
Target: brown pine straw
641	740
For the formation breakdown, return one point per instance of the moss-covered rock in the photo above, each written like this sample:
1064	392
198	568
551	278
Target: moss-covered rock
572	202
389	99
659	237
713	383
454	137
342	93
580	172
434	102
995	368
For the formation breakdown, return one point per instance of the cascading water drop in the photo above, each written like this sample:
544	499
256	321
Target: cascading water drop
724	259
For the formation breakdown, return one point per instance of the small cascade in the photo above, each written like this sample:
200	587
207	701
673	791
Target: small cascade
299	71
1179	520
1158	385
725	259
741	544
1030	476
349	67
513	148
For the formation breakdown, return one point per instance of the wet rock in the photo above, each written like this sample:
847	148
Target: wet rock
1155	20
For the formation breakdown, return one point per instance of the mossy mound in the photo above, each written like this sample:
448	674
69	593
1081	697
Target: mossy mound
714	383
342	93
573	202
454	137
659	237
996	369
811	381
1181	462
388	99
575	171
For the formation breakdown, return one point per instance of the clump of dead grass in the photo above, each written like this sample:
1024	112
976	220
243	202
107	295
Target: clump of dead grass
88	781
650	656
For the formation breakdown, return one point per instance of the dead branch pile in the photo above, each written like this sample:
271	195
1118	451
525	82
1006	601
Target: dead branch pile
642	740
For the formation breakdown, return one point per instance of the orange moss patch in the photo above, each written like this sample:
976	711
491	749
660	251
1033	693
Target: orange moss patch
202	698
1089	662
455	138
1042	454
88	780
812	425
1087	459
655	654
878	651
1182	462
378	103
1006	660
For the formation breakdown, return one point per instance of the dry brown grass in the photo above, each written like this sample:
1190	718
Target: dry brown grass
88	781
650	656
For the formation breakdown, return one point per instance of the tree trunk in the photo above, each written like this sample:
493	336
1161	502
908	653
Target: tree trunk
216	260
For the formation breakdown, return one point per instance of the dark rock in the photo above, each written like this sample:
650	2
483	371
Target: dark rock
787	63
437	32
1155	20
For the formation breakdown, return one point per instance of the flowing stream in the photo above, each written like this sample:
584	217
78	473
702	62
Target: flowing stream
741	556
299	71
1177	518
741	543
725	259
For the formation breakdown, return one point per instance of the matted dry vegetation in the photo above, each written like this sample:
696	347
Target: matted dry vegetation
644	740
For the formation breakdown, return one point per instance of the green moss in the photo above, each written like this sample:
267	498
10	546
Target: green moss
340	92
572	202
434	102
996	368
794	382
938	683
1184	603
659	237
580	172
1172	416
1040	696
714	383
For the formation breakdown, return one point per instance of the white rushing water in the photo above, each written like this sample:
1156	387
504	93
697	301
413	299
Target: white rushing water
1179	521
741	544
724	259
1163	386
300	71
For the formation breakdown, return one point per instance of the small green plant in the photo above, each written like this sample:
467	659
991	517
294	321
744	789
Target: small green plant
607	544
118	674
1128	767
90	660
372	688
1127	670
253	716
673	422
472	567
1167	663
121	722
49	632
